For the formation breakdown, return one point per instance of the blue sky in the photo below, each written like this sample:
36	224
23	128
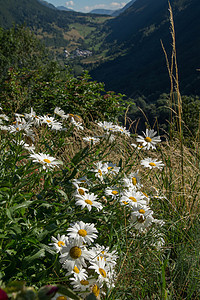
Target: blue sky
88	5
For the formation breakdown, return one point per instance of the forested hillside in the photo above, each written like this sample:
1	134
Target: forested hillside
136	63
57	29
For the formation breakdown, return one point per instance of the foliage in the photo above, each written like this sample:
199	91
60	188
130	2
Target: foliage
30	77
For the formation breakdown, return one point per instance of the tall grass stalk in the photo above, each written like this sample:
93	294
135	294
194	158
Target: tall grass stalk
175	97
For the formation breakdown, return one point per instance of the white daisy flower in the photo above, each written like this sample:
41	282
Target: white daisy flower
149	140
79	273
127	183
86	232
152	163
133	198
81	180
79	190
78	125
94	140
58	111
108	126
122	130
100	170
82	285
26	146
74	253
113	169
33	117
22	126
89	201
4	117
112	191
58	242
102	252
75	117
59	296
139	147
52	123
47	161
100	267
142	217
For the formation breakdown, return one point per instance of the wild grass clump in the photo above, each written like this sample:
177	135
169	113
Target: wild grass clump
96	211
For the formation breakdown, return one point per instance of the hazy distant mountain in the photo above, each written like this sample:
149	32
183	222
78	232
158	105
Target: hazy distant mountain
102	11
136	60
121	10
64	8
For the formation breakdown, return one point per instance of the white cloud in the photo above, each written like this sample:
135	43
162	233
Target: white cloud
112	6
117	5
69	3
97	6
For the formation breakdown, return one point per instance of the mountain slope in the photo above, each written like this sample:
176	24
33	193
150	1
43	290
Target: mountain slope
134	37
119	11
57	29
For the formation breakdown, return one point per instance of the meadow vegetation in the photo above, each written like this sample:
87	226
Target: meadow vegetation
91	208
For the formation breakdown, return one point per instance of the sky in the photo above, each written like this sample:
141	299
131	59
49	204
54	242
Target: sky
88	5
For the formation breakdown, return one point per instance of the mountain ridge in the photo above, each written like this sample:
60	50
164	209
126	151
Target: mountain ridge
141	69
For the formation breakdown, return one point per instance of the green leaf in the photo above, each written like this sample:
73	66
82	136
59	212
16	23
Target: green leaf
68	292
91	297
63	194
14	286
39	254
22	205
8	212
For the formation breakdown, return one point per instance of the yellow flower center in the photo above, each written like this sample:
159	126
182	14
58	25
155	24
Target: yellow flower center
134	180
100	172
71	115
102	272
17	128
144	194
148	139
110	168
141	211
125	203
48	121
133	199
75	252
152	164
47	160
88	201
76	270
96	290
114	192
60	243
82	232
84	282
81	191
61	298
